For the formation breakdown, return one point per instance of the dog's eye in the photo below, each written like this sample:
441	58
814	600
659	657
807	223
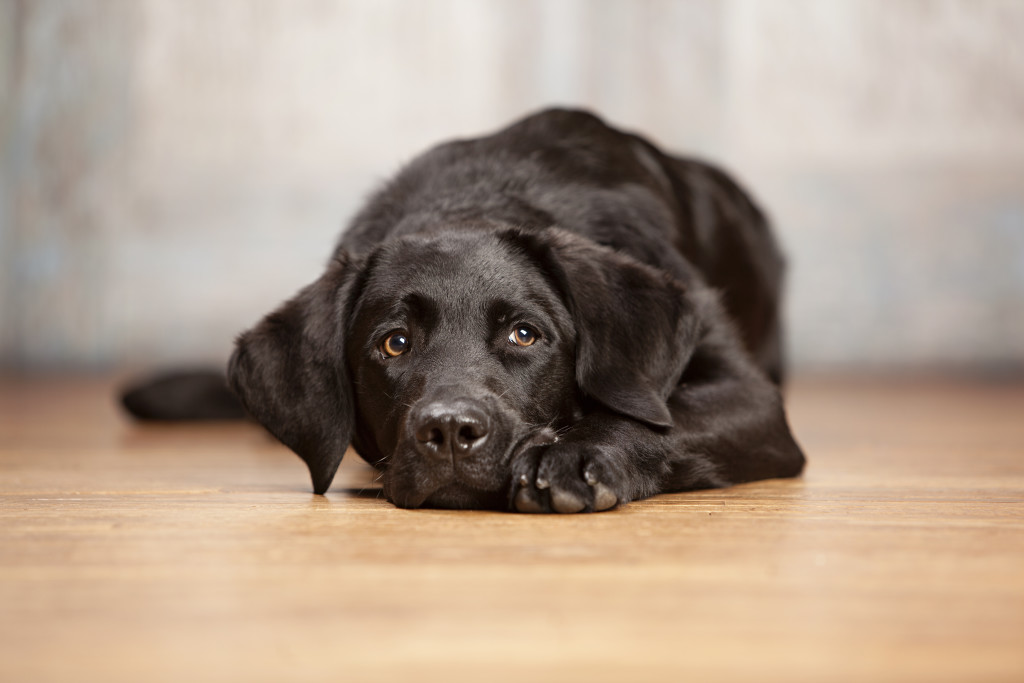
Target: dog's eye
522	336
395	344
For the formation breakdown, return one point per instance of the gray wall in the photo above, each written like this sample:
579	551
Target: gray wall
171	169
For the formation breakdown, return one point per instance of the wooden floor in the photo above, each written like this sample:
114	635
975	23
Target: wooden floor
139	553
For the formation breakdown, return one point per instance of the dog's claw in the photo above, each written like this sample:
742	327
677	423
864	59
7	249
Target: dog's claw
604	498
590	478
543	483
565	502
524	480
526	502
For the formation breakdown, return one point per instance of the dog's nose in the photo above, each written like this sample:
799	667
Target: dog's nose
455	429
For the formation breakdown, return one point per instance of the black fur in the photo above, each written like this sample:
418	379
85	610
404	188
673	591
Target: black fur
651	286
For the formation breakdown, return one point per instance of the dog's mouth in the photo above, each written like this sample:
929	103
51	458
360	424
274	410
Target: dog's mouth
450	493
479	485
458	496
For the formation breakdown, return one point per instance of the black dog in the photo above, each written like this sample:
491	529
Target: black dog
557	317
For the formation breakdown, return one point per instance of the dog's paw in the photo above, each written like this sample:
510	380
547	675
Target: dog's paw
567	477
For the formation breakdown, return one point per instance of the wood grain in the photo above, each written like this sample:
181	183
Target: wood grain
197	553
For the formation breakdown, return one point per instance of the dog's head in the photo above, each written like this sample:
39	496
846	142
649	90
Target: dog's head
440	357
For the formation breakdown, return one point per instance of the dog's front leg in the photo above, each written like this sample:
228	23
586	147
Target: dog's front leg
603	460
728	427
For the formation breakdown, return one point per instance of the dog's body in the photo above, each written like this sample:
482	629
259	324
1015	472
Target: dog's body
557	317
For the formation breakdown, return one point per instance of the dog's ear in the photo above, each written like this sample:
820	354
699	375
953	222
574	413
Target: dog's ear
289	371
636	326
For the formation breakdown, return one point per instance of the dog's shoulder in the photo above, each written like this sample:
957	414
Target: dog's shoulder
560	124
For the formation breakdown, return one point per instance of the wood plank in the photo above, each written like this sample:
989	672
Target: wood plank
134	553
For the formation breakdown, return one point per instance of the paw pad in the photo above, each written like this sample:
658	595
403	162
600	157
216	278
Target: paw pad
563	478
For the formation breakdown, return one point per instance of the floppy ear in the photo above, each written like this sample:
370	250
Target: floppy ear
289	371
636	326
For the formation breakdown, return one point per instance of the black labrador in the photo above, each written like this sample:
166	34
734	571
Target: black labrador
556	317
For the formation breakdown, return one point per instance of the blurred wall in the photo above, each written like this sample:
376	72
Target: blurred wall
171	169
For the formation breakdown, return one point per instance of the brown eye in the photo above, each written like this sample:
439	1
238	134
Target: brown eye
522	336
395	344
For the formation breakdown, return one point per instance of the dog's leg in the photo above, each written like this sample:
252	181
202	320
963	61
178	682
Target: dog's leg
728	427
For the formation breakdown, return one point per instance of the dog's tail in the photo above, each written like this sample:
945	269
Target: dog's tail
183	395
